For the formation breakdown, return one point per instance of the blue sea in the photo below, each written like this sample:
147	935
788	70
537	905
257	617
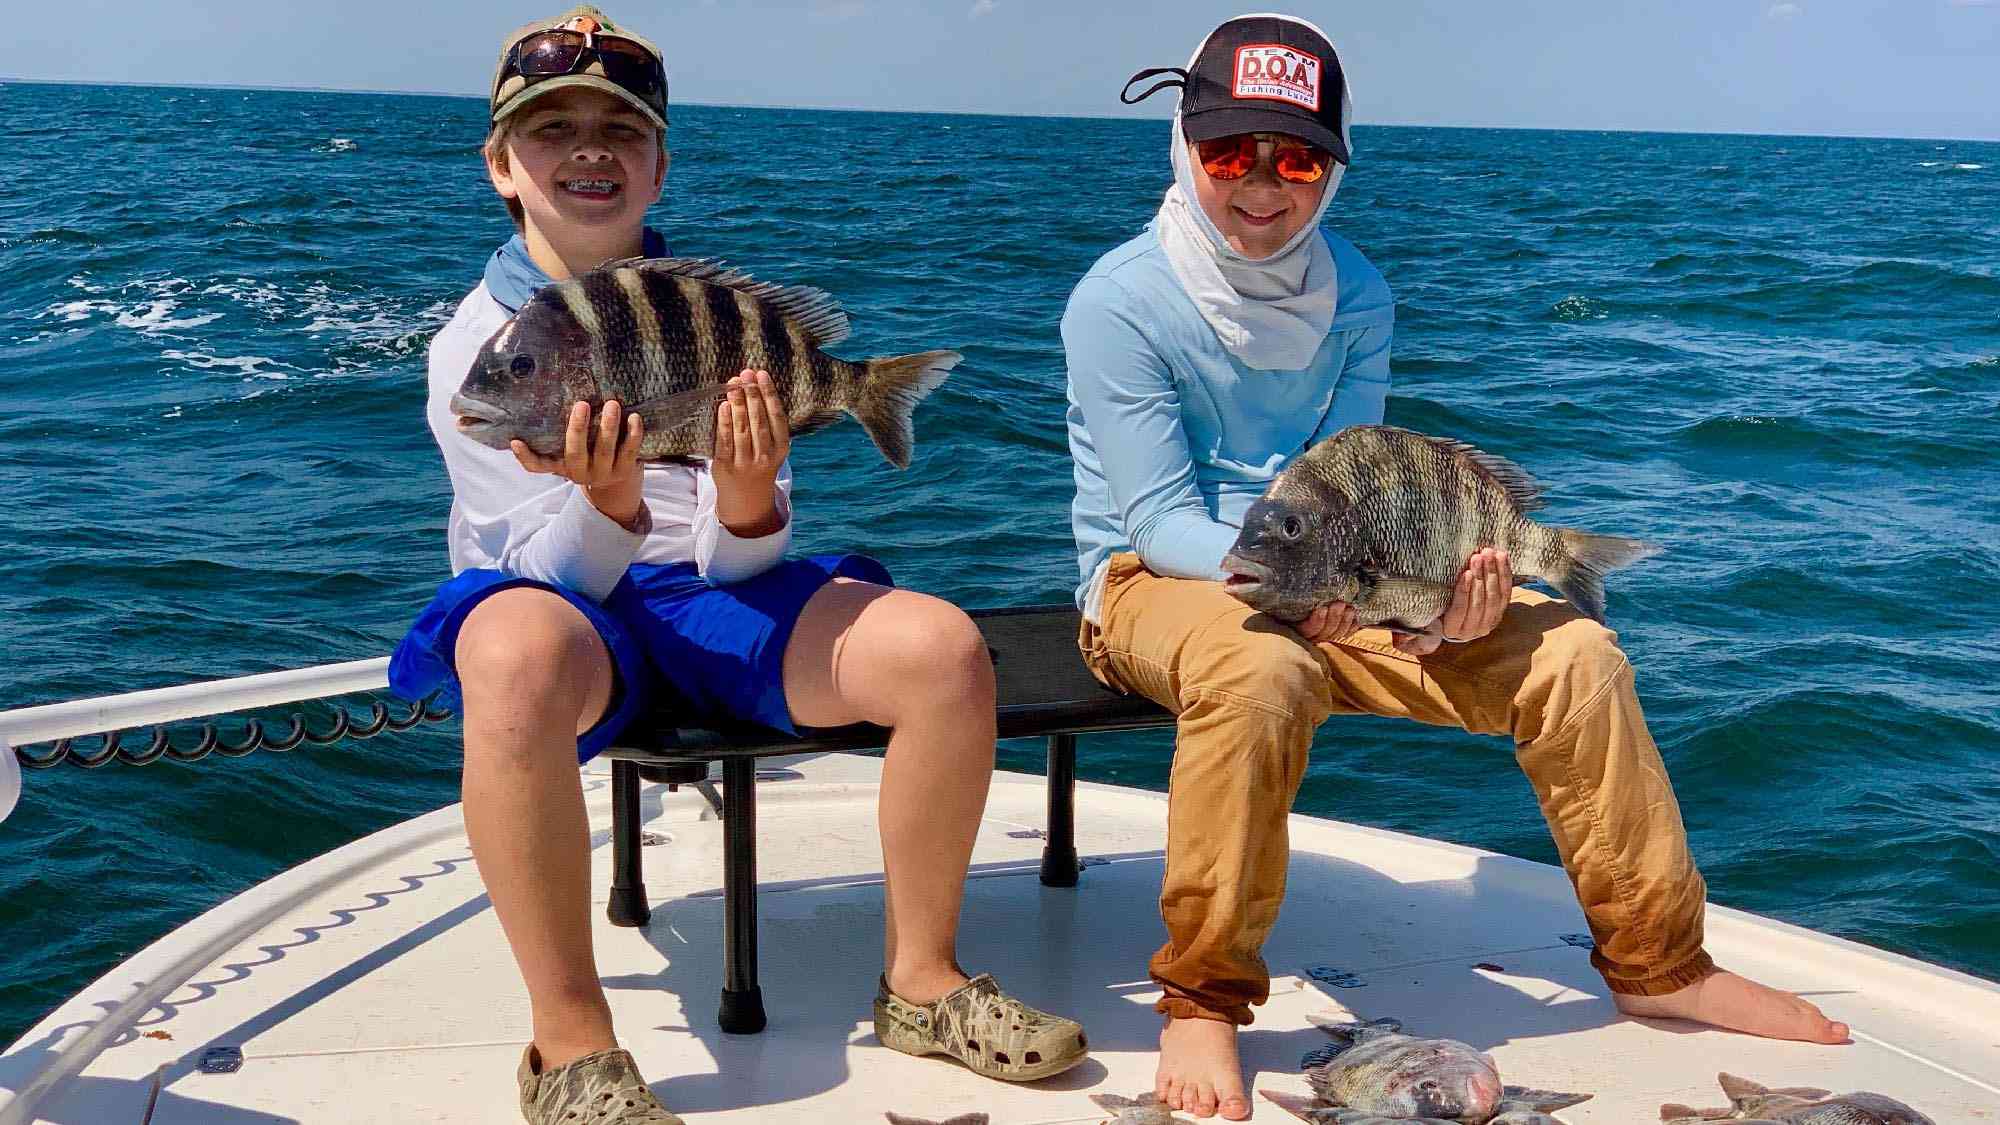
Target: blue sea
1780	356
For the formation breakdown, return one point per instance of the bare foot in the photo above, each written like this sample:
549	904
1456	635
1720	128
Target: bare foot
1199	1073
1727	1000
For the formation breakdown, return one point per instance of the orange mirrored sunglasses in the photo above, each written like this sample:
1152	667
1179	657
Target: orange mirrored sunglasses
1232	158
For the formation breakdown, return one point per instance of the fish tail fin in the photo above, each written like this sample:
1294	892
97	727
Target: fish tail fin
889	393
1345	1034
1350	1029
1578	573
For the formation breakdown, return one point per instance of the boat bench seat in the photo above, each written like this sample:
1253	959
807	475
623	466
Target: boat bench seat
1044	691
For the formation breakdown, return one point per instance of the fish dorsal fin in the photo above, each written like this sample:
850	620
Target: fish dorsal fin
815	310
1298	1105
1112	1103
1541	1101
1738	1089
1520	486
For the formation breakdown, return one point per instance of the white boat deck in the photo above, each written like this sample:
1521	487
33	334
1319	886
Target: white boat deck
373	984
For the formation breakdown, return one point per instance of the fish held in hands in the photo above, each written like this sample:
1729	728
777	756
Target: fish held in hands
663	337
1384	519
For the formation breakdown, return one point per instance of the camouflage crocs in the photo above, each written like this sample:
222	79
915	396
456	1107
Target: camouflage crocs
989	1031
599	1089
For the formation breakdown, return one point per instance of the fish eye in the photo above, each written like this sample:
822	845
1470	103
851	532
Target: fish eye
1294	527
523	365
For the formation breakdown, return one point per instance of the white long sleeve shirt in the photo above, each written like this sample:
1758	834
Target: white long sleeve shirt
540	526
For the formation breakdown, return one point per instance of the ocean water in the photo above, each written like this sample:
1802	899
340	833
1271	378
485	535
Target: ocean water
1778	355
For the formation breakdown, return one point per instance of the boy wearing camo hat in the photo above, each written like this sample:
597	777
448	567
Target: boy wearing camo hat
586	591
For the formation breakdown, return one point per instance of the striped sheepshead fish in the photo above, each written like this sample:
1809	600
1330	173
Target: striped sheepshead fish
1752	1103
1384	519
663	337
1373	1074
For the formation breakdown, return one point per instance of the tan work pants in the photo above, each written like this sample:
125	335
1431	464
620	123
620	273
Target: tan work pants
1250	691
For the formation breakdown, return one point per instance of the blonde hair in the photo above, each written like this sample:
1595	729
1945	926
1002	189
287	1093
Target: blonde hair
495	150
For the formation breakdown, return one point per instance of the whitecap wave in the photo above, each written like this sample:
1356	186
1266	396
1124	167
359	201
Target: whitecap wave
153	313
249	365
72	311
157	317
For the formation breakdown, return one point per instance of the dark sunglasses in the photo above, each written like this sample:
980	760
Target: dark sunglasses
560	51
1232	158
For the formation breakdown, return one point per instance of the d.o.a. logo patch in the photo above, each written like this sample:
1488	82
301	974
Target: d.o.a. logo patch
1277	73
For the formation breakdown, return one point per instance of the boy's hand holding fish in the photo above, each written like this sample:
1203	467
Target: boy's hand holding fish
606	468
752	440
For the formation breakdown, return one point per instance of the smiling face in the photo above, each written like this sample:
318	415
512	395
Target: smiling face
583	166
1258	213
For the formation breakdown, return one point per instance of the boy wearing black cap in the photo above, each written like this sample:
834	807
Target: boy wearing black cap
1203	356
585	591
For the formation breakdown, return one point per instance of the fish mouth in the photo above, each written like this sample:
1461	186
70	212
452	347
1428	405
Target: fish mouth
1245	576
480	421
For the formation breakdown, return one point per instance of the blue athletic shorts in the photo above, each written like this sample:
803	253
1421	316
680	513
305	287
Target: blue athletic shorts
678	644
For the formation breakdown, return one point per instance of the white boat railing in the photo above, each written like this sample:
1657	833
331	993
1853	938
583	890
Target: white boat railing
25	726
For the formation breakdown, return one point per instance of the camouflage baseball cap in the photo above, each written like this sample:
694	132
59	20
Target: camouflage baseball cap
512	90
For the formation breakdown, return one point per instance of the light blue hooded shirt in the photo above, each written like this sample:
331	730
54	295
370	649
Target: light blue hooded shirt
512	276
1172	437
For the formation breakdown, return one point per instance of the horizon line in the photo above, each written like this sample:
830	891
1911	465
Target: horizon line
253	88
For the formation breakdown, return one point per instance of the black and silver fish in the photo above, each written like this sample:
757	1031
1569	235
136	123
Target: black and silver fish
1142	1110
663	337
1384	519
1372	1072
1752	1103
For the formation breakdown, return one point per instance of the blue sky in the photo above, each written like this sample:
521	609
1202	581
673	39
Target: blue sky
1928	68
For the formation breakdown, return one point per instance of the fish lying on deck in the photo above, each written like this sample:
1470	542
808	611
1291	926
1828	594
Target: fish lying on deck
1384	519
1309	1109
663	336
1142	1110
1751	1103
1372	1073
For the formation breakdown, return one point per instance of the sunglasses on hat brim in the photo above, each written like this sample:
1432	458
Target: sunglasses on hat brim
560	51
1233	157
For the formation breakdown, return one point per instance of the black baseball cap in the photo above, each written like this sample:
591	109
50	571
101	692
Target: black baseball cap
1259	74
